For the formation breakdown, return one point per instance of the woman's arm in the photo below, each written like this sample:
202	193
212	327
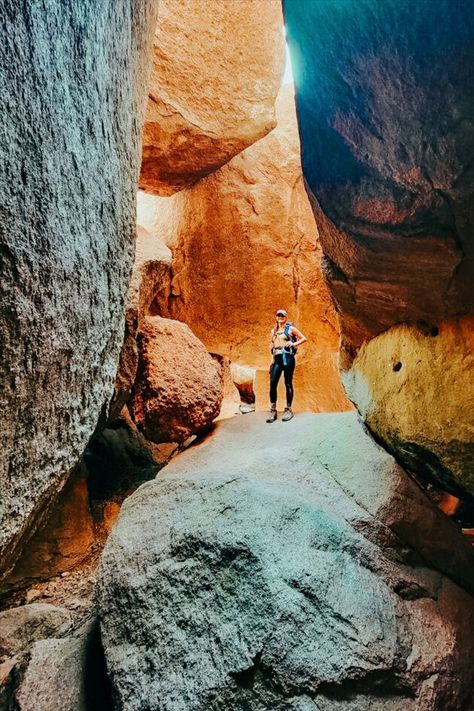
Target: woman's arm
301	338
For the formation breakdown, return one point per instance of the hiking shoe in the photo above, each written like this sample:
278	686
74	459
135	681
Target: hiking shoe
288	414
272	416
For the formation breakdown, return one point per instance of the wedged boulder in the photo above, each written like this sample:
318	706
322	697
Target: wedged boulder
74	79
415	390
215	77
179	390
247	244
314	575
387	130
147	294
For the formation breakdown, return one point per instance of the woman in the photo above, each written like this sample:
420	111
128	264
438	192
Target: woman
285	341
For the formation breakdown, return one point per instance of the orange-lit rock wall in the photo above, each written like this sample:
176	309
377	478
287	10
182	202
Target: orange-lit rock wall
247	244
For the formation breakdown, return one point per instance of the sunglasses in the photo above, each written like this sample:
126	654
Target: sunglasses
279	313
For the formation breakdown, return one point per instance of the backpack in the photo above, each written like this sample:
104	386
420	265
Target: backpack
288	326
292	351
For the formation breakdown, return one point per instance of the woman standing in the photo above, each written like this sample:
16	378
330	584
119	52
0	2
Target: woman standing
286	338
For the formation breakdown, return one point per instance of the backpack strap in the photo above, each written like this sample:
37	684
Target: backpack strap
288	326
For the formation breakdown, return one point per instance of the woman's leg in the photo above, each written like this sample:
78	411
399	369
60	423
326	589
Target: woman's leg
289	369
275	374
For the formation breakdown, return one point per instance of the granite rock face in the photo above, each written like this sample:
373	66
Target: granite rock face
74	81
178	391
215	77
246	245
387	129
310	576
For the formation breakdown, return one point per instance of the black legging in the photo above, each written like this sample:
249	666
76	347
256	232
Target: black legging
275	373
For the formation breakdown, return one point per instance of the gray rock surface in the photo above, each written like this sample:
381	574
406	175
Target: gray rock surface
65	675
21	627
309	576
74	77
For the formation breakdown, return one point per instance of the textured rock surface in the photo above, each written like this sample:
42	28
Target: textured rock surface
21	627
65	675
215	76
304	576
387	127
155	215
179	388
74	78
147	294
246	245
416	392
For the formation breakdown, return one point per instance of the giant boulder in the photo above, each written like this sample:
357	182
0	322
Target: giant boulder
314	575
216	71
74	79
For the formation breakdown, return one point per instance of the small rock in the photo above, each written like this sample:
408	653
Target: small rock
32	595
59	672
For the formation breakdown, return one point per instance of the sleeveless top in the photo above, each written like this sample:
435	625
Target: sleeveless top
279	341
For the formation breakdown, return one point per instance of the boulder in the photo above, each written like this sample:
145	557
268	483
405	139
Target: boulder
415	391
387	137
65	674
313	575
216	72
178	391
74	78
246	245
243	378
21	627
387	130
